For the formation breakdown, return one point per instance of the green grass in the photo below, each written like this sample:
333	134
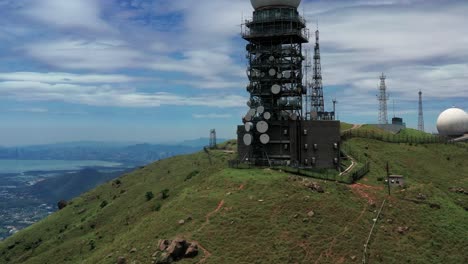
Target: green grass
263	217
413	133
345	126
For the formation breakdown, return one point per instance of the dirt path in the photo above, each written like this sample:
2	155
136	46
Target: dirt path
206	253
351	167
355	126
366	191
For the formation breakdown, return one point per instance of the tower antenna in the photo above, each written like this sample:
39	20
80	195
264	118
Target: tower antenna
318	105
383	98
420	116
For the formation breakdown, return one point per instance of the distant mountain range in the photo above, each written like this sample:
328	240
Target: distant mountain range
128	153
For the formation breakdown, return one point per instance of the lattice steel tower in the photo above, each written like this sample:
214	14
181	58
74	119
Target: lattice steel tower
421	116
213	144
383	98
318	105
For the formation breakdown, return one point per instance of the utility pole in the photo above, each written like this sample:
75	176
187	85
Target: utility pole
388	179
334	108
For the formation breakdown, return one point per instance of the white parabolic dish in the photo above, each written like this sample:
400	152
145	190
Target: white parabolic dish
248	139
453	122
265	139
262	127
263	3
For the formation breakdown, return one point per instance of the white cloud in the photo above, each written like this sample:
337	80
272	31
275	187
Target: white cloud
106	95
30	110
61	77
102	55
211	116
68	14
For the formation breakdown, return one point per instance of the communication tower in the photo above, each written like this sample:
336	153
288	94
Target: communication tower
420	116
318	105
276	129
213	144
383	98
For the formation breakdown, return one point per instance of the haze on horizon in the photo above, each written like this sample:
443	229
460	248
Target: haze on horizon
169	70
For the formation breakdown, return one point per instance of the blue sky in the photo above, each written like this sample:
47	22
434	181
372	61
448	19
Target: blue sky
169	70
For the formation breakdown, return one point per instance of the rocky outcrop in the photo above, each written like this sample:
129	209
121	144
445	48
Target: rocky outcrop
174	250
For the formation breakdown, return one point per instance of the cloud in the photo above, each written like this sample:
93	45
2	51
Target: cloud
211	116
103	55
67	14
30	110
418	44
106	95
61	77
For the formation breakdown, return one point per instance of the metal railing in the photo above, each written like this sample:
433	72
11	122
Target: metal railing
268	32
269	19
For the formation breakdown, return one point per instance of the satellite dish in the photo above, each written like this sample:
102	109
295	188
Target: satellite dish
279	76
248	118
248	139
272	58
275	89
262	127
265	139
272	72
248	126
283	101
267	115
262	74
287	75
252	112
260	110
294	116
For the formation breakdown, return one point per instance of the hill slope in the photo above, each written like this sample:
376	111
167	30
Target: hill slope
261	216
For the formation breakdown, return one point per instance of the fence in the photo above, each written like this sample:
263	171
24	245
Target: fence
394	138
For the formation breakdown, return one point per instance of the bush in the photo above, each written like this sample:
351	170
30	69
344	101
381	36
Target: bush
149	196
104	204
62	204
92	244
191	175
164	194
157	207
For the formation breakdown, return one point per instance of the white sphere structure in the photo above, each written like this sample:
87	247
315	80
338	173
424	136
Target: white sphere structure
453	122
263	3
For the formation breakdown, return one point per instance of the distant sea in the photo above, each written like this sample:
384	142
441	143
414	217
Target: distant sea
20	166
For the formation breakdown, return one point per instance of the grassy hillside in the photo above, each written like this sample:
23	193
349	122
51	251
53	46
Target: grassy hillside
260	215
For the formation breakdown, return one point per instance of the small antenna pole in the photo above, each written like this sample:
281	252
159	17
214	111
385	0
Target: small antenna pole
388	178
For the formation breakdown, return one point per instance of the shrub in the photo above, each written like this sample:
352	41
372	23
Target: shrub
149	196
191	175
104	204
164	194
62	204
117	183
157	207
92	245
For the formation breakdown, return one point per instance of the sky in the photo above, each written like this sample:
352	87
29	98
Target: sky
169	70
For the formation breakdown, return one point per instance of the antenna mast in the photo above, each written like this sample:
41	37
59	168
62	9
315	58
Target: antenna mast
383	98
318	105
421	116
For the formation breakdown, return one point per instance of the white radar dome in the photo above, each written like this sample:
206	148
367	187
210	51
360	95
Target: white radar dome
263	3
453	122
